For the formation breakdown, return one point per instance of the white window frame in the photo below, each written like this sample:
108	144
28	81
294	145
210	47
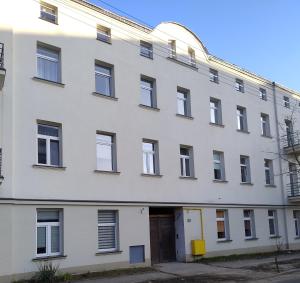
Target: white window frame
172	48
263	94
268	165
249	218
48	143
245	167
239	85
112	150
148	47
296	218
50	8
192	57
149	89
274	220
105	32
106	76
219	162
265	125
214	76
241	114
215	111
226	224
286	102
183	159
48	226
116	230
147	154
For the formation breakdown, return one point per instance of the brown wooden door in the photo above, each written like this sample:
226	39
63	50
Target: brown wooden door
162	238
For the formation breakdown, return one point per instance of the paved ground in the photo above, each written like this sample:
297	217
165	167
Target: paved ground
250	270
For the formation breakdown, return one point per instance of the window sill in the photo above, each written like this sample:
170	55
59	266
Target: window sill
104	41
151	175
185	116
268	137
108	253
145	56
48	167
246	184
217	125
224	241
270	186
46	258
48	81
242	131
174	59
297	238
188	177
220	181
275	237
149	107
98	94
107	172
251	239
55	23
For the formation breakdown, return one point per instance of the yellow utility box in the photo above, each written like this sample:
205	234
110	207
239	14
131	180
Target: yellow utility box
198	247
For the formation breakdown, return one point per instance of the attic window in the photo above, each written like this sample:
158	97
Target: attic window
103	34
192	57
48	13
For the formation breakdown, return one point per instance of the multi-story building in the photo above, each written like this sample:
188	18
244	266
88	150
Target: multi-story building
123	145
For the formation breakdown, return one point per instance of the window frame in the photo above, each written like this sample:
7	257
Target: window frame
265	130
296	220
172	48
242	123
145	45
110	77
274	220
48	139
155	156
263	94
215	111
221	162
286	102
49	7
213	75
151	90
268	167
105	32
192	57
239	85
48	226
113	151
224	219
116	230
186	101
183	158
245	169
251	220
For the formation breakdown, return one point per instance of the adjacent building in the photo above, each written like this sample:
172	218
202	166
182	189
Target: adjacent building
122	145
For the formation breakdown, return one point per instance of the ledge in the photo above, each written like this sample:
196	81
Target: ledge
182	63
98	94
46	258
297	238
151	58
241	131
188	177
220	181
108	253
151	175
224	241
107	172
48	167
149	107
48	81
270	186
268	137
275	237
247	184
251	239
104	41
54	23
184	116
217	125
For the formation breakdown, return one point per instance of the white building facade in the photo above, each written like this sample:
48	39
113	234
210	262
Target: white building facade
121	145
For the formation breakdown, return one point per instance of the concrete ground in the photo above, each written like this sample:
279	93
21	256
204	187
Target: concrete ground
247	270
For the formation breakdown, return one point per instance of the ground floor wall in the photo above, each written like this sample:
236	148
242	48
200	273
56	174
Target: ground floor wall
79	245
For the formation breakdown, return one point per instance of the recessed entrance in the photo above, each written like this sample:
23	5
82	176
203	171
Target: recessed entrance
162	234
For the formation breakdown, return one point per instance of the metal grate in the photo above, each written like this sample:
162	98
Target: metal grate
293	189
291	140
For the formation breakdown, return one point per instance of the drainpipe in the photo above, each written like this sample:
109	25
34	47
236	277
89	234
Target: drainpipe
280	167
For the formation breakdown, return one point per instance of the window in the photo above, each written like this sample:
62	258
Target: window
289	132
239	85
263	94
0	164
48	13
146	49
219	167
273	223
150	157
222	224
286	102
245	169
107	230
49	232
213	76
269	175
48	63
296	215
215	111
183	102
103	34
192	57
172	48
148	92
265	125
49	145
249	224
104	79
241	114
106	152
293	178
186	161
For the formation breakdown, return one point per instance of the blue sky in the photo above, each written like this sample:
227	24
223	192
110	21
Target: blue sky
262	36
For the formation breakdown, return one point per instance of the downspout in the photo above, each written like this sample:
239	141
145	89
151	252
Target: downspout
280	168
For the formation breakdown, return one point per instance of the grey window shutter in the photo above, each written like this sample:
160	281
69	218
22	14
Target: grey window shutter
107	220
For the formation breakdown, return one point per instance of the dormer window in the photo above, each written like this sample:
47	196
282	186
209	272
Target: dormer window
103	34
172	48
48	13
192	57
